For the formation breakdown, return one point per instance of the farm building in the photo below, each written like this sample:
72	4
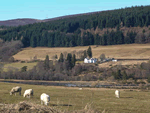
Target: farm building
115	60
91	60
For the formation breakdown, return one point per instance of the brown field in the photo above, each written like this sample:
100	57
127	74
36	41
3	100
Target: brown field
125	62
134	51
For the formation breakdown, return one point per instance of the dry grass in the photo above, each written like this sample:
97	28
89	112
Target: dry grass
72	99
27	107
116	51
18	65
125	62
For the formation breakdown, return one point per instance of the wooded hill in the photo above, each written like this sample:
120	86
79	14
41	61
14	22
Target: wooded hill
121	26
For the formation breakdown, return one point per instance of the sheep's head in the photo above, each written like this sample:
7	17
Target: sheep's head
24	95
46	103
11	92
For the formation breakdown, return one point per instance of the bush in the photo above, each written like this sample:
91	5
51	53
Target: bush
11	59
24	68
148	80
100	78
111	79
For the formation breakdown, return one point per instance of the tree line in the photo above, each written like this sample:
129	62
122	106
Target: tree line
57	70
67	32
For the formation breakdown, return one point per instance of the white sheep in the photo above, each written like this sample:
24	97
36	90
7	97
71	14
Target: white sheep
80	88
28	93
45	98
15	90
117	93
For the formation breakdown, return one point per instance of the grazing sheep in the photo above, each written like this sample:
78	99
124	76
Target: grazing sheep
28	93
80	88
117	93
15	90
45	98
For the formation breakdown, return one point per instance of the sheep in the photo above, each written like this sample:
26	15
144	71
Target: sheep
117	93
15	90
45	98
80	88
28	93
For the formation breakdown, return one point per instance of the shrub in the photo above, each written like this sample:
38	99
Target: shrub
24	68
148	80
11	59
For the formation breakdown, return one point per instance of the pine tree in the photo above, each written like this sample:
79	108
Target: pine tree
118	74
33	41
69	59
85	54
124	75
24	68
89	52
148	80
61	58
79	41
56	57
73	60
46	63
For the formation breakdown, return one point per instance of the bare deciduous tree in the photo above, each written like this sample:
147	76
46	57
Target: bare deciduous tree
102	57
65	55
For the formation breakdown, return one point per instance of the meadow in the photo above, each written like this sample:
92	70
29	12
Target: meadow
134	51
18	66
71	98
126	51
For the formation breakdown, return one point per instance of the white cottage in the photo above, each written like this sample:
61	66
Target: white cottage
92	60
86	60
115	60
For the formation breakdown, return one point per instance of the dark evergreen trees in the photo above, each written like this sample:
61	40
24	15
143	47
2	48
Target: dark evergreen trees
124	75
24	68
67	32
118	75
148	80
61	58
89	52
85	54
69	59
73	60
33	41
46	63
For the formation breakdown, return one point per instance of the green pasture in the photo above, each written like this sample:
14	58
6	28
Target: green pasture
65	98
18	65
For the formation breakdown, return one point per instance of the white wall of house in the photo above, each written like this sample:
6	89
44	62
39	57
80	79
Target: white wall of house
114	60
92	60
86	60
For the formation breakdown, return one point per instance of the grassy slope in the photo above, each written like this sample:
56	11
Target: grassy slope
19	65
130	101
116	51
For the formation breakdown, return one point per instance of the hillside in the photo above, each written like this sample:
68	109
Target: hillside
25	21
136	67
131	51
120	26
17	22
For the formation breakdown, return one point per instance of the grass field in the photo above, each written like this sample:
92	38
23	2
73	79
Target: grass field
69	99
116	51
18	65
125	62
